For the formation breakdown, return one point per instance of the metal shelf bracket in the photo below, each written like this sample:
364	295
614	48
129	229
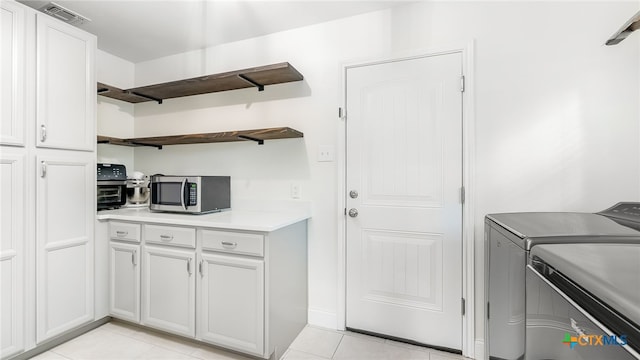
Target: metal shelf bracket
159	147
247	137
245	78
159	101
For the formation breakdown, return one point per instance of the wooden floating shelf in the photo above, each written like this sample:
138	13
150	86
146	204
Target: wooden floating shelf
257	77
258	135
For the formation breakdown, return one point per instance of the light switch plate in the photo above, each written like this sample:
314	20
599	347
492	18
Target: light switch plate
326	153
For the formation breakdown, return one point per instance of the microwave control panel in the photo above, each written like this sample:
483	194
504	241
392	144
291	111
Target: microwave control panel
193	194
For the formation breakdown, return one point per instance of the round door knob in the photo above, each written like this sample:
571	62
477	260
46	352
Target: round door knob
353	194
353	212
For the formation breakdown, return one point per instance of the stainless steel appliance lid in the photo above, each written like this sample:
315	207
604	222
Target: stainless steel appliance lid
557	224
610	272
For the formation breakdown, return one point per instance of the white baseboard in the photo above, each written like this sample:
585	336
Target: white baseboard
321	318
479	349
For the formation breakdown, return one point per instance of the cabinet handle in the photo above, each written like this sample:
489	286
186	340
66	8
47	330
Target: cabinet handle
43	133
133	257
189	266
43	169
122	233
229	244
166	237
200	268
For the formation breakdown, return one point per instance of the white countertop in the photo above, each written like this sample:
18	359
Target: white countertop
250	220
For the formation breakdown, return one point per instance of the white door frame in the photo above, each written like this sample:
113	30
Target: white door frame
468	181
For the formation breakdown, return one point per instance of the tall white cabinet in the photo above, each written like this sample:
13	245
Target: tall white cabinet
12	178
47	178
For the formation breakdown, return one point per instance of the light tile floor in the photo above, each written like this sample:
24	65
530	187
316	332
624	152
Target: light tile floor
121	341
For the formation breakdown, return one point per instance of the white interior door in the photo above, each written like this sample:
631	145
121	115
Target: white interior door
404	161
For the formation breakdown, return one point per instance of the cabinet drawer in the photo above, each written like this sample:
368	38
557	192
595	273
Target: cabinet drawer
232	242
170	235
124	231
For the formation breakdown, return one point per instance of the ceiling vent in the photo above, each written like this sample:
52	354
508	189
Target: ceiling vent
630	26
64	14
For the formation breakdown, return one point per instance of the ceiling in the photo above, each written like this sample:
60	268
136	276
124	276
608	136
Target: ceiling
140	30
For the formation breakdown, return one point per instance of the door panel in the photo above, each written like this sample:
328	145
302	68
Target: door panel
125	281
12	70
66	86
64	235
404	158
403	268
169	290
12	243
232	302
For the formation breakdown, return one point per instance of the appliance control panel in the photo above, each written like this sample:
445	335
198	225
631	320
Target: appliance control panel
193	194
627	212
111	172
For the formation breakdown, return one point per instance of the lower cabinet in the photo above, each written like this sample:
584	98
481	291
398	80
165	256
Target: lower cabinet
241	290
168	293
124	282
231	302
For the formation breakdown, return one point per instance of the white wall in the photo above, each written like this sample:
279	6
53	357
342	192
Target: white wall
556	113
115	118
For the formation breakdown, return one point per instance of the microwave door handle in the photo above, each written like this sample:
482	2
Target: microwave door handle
184	195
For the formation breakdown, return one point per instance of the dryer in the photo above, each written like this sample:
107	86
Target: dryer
583	302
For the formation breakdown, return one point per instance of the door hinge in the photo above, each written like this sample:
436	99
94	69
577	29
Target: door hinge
462	84
464	306
462	195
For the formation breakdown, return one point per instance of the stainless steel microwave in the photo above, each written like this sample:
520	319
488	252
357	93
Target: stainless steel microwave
190	194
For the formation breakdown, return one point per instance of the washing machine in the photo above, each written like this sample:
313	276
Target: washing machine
509	238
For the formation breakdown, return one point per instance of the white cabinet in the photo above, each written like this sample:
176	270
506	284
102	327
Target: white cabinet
48	196
168	295
12	255
12	67
238	289
65	208
124	271
124	298
231	302
66	86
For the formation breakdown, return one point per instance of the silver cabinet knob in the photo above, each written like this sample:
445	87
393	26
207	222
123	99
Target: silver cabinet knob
353	212
353	194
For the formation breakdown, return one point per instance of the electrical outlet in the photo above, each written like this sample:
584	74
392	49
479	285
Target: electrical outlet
326	153
295	191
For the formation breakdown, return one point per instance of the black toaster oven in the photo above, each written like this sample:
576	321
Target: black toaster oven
111	182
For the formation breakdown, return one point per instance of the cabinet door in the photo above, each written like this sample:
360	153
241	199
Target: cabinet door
12	232
168	293
231	306
66	86
124	288
12	60
65	203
